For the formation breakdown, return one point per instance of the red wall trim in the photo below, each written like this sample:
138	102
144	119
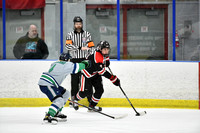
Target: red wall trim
101	6
125	33
127	6
23	4
166	33
199	85
145	6
42	24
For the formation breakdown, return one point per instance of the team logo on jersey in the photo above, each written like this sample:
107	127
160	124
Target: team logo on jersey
84	39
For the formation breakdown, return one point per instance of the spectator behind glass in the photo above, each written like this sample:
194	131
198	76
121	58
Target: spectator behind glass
31	46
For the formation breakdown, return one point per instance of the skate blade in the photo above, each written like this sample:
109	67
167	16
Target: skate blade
92	111
45	122
61	119
54	122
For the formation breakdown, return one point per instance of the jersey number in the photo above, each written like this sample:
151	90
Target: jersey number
60	62
51	69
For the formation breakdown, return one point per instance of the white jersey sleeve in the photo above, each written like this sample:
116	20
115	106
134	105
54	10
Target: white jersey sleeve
58	72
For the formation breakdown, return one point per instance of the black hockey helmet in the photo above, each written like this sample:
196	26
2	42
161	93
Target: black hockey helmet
103	44
77	19
65	57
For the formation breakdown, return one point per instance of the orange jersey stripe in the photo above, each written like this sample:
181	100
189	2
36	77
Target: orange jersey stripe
90	44
68	41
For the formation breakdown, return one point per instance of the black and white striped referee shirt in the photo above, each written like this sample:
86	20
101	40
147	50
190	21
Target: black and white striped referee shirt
74	42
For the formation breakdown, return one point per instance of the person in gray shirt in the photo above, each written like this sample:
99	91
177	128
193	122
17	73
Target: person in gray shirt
50	82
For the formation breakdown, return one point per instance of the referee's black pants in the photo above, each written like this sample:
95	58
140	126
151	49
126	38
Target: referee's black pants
75	81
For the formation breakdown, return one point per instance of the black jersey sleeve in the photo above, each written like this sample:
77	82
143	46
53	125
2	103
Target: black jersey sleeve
107	75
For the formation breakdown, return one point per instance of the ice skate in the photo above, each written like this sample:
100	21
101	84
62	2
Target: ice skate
75	105
70	104
49	119
92	108
60	117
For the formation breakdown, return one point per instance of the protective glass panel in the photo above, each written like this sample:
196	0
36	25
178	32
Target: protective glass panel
187	31
102	23
145	34
1	35
17	26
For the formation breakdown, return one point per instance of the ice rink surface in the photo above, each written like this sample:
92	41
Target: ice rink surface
29	120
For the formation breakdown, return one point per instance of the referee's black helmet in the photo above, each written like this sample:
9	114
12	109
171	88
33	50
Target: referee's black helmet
77	19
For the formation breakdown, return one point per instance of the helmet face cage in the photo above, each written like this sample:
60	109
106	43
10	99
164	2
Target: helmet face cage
65	57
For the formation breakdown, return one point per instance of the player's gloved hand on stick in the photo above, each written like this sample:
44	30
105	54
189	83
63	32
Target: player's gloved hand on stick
87	63
115	80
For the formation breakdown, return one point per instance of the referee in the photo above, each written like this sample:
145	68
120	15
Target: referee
79	44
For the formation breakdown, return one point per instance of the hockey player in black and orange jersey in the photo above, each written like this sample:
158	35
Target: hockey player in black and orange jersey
92	76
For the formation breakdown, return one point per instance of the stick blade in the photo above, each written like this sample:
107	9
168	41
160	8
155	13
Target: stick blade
121	117
141	113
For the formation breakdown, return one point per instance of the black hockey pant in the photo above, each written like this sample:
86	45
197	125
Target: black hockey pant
87	84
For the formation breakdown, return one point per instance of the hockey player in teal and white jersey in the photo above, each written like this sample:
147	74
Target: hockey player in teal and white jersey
50	82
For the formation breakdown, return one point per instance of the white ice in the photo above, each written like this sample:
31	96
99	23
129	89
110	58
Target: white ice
29	120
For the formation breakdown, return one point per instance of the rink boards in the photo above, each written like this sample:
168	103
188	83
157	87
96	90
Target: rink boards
148	84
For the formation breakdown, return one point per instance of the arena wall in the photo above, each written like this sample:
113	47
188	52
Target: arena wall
148	84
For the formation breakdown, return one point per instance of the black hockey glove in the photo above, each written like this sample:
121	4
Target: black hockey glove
115	80
87	63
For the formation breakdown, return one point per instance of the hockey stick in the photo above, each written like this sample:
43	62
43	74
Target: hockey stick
137	113
113	117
